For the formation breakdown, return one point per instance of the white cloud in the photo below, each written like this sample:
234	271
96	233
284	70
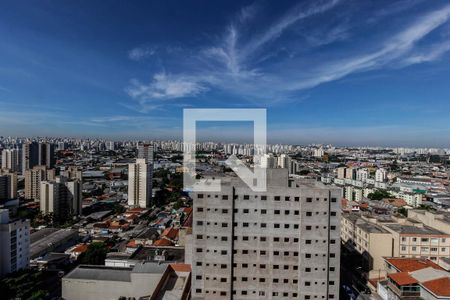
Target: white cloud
273	32
140	53
165	86
254	67
393	50
432	53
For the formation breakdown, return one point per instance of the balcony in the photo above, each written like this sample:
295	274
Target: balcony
408	292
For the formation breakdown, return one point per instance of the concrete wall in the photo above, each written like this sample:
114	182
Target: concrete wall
272	239
141	284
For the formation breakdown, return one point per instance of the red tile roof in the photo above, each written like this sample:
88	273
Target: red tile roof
132	244
170	233
80	248
187	210
402	278
412	264
364	205
162	242
440	286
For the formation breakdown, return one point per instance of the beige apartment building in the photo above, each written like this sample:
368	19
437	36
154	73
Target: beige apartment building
279	244
140	176
438	220
33	179
405	238
369	239
419	241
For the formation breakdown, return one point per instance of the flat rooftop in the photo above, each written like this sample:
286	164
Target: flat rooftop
100	273
48	237
105	273
409	229
370	227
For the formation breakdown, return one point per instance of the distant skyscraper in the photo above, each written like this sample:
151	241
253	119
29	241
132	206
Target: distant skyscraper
111	146
283	161
14	243
62	146
319	152
268	161
362	174
46	155
380	175
279	244
73	172
146	151
8	185
140	183
11	160
30	156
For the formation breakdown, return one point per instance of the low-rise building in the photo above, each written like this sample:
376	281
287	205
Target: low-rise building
147	279
414	278
419	241
372	241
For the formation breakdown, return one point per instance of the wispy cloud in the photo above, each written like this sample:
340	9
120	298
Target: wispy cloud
165	86
275	30
392	50
263	66
140	53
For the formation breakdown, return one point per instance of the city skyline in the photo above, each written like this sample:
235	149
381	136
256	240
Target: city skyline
372	74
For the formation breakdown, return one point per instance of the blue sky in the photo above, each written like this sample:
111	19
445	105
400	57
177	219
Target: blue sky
346	72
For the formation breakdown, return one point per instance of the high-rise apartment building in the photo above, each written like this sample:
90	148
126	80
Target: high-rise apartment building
341	172
11	160
33	180
146	151
284	161
14	243
268	161
279	244
8	185
61	197
73	172
350	173
140	183
74	196
380	175
46	155
362	175
30	156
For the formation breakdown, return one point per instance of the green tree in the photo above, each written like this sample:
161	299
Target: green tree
118	209
379	195
179	204
94	255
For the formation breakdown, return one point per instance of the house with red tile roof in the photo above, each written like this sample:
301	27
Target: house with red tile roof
162	242
414	278
171	234
437	288
410	264
76	250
